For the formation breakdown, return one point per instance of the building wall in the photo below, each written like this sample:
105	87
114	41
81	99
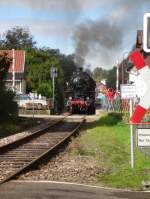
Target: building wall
23	86
20	85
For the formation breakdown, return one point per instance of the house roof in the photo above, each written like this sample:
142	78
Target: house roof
19	59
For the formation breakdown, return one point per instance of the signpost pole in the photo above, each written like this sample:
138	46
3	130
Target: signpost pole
128	91
131	135
53	93
33	108
54	74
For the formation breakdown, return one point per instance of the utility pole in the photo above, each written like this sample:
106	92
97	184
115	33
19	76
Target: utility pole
13	70
117	76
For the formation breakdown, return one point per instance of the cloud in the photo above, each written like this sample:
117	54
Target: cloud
66	5
99	41
103	41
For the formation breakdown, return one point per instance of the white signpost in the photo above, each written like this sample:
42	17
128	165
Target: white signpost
54	74
128	91
143	137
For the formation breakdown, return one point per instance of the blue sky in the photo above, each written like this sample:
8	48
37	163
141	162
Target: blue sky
85	27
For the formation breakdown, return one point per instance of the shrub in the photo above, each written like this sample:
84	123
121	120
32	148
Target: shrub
111	119
45	90
8	107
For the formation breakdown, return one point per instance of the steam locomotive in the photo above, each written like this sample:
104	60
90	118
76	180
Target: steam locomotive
80	93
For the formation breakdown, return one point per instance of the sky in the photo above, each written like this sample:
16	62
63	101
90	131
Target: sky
98	32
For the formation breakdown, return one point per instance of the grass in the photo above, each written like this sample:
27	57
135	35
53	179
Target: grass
108	140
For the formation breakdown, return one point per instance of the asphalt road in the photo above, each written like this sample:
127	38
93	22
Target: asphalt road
48	190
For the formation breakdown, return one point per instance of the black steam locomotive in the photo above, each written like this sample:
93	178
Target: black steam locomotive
80	94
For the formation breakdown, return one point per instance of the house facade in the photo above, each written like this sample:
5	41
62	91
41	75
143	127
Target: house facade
16	73
101	87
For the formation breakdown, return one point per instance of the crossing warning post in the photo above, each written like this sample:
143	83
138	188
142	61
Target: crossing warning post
128	91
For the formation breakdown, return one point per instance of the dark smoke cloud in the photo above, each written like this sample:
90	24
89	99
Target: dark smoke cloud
104	40
96	37
100	40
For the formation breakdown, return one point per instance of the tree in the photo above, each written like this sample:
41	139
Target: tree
111	78
17	38
8	107
4	66
45	90
38	63
99	74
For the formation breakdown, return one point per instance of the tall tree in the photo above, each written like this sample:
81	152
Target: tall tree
17	38
111	78
39	61
99	74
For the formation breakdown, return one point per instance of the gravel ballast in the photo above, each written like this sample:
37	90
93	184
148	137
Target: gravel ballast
68	168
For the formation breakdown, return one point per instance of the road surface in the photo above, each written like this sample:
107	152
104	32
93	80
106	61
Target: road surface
50	190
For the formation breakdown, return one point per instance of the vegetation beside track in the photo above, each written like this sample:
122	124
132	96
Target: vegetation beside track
20	124
108	140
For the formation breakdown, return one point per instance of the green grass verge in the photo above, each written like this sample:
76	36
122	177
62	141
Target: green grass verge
108	139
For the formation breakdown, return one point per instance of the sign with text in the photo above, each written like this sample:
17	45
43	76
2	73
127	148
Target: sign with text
143	137
128	91
54	72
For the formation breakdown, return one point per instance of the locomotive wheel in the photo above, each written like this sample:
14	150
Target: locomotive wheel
93	110
89	111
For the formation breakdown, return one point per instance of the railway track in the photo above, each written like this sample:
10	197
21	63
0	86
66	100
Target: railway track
24	153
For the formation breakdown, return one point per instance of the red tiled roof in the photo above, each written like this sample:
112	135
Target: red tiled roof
19	58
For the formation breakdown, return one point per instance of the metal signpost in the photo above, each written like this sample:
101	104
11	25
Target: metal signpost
33	108
131	135
128	91
54	74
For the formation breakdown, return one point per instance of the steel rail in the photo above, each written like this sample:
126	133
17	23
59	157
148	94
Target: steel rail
4	147
31	158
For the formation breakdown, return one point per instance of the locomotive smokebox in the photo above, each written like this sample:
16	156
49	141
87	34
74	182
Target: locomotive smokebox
81	93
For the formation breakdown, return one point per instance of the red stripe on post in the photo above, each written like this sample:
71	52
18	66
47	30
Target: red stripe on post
138	115
137	59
